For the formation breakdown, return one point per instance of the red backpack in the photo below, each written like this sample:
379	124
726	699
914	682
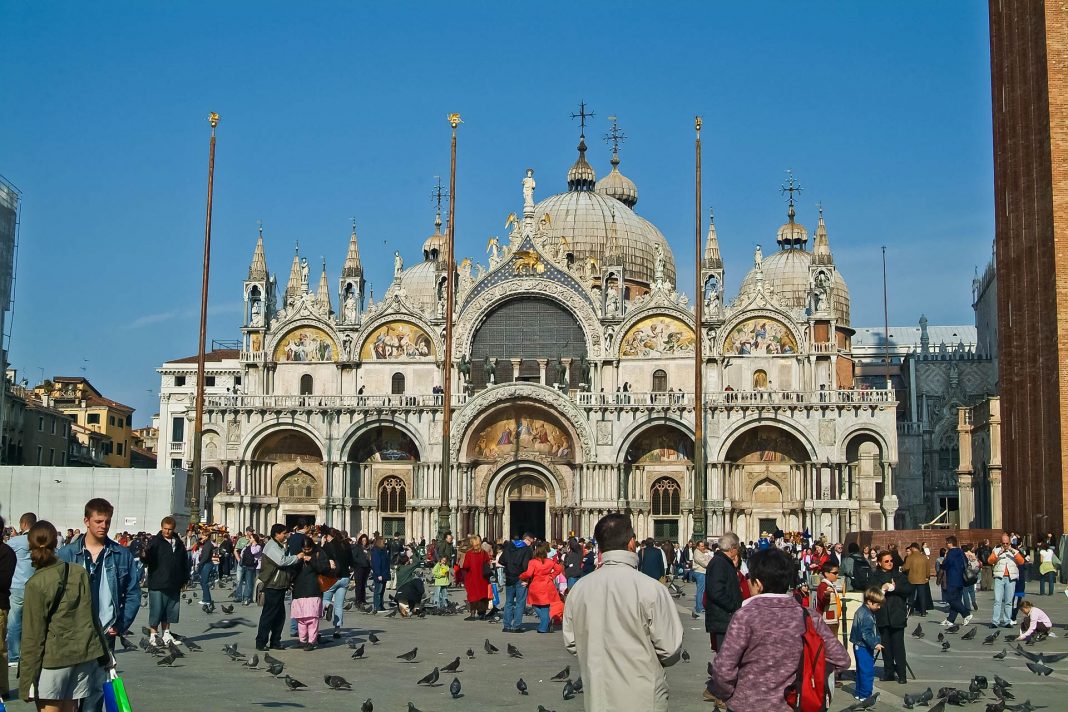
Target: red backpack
808	693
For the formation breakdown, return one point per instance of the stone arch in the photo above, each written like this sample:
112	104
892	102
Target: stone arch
475	312
298	485
277	339
633	434
398	315
490	399
767	493
509	472
742	318
364	426
258	435
637	317
742	427
888	453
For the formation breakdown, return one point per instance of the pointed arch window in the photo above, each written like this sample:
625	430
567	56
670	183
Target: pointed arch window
392	496
666	498
306	384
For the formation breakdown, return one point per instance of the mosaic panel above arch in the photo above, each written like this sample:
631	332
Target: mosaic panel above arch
396	341
767	444
306	344
661	444
760	336
521	431
657	336
385	444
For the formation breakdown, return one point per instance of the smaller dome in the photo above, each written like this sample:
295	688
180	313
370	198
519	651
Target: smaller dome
618	186
792	233
581	176
434	246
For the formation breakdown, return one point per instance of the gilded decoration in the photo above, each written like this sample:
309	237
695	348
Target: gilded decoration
760	336
661	444
397	340
766	444
657	336
385	444
521	432
306	344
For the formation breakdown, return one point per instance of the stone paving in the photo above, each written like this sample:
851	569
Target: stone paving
210	681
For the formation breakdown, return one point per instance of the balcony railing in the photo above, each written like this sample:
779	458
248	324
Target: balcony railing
721	399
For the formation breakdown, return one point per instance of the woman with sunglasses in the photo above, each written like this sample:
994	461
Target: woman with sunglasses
893	616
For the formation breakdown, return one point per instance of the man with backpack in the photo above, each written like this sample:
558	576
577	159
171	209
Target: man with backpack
514	558
954	566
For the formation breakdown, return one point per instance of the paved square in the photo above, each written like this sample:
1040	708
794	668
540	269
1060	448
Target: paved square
210	681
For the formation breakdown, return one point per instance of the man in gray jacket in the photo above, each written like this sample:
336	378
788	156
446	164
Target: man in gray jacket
623	626
275	577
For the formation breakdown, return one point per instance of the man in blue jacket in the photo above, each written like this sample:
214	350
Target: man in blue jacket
113	580
953	567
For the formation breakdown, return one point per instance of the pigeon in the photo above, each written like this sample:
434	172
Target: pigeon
145	631
232	650
1010	638
953	628
490	647
945	645
1033	657
293	683
336	682
1039	669
348	605
1002	683
127	645
191	646
429	679
866	704
1051	657
911	701
1001	655
454	688
989	640
270	660
1002	694
227	623
143	644
941	637
358	652
253	661
227	609
563	674
373	638
521	685
413	708
543	708
169	660
454	666
940	707
685	656
367	706
711	672
926	696
970	634
693	615
174	650
275	669
513	652
409	656
980	682
569	690
918	633
577	685
470	654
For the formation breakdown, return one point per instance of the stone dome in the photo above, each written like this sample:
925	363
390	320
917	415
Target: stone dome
434	246
618	186
787	272
420	285
587	219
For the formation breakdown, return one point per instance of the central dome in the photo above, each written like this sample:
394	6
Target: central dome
787	271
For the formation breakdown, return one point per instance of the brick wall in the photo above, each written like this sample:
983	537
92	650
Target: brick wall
1029	92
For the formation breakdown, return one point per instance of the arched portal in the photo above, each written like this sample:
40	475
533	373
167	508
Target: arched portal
527	498
770	479
288	464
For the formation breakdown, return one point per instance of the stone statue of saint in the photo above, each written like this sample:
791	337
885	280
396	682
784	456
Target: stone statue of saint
611	303
528	192
398	265
257	313
350	309
758	257
659	265
491	371
304	273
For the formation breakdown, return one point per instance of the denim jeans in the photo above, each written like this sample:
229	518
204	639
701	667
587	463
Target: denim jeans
1004	588
543	618
969	597
380	589
571	581
14	625
1046	580
515	602
441	597
699	606
246	586
207	573
865	671
335	595
955	598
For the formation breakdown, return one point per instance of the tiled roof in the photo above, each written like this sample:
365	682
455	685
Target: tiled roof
216	355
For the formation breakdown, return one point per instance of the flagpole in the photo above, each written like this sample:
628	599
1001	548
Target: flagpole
699	515
198	425
444	510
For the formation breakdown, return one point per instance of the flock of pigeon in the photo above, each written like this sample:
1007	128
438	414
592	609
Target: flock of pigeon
1001	690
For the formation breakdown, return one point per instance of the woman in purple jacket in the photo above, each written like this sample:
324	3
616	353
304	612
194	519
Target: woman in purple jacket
750	672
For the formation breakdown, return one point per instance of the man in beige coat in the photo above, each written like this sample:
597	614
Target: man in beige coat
623	626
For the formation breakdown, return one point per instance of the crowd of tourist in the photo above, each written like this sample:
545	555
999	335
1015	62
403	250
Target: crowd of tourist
759	599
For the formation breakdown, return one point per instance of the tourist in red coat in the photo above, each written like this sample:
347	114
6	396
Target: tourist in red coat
541	591
474	565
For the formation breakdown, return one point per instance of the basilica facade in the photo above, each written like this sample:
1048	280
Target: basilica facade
573	387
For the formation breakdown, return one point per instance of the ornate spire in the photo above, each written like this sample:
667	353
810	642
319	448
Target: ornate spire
323	296
293	289
791	234
581	176
713	260
615	184
352	266
257	271
613	255
821	246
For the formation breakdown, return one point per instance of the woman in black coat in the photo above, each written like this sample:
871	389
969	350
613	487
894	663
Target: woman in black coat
892	618
361	569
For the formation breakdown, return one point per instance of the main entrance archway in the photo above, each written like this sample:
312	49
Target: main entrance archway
527	501
769	480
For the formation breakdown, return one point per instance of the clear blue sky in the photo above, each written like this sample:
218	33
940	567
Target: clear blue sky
337	109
